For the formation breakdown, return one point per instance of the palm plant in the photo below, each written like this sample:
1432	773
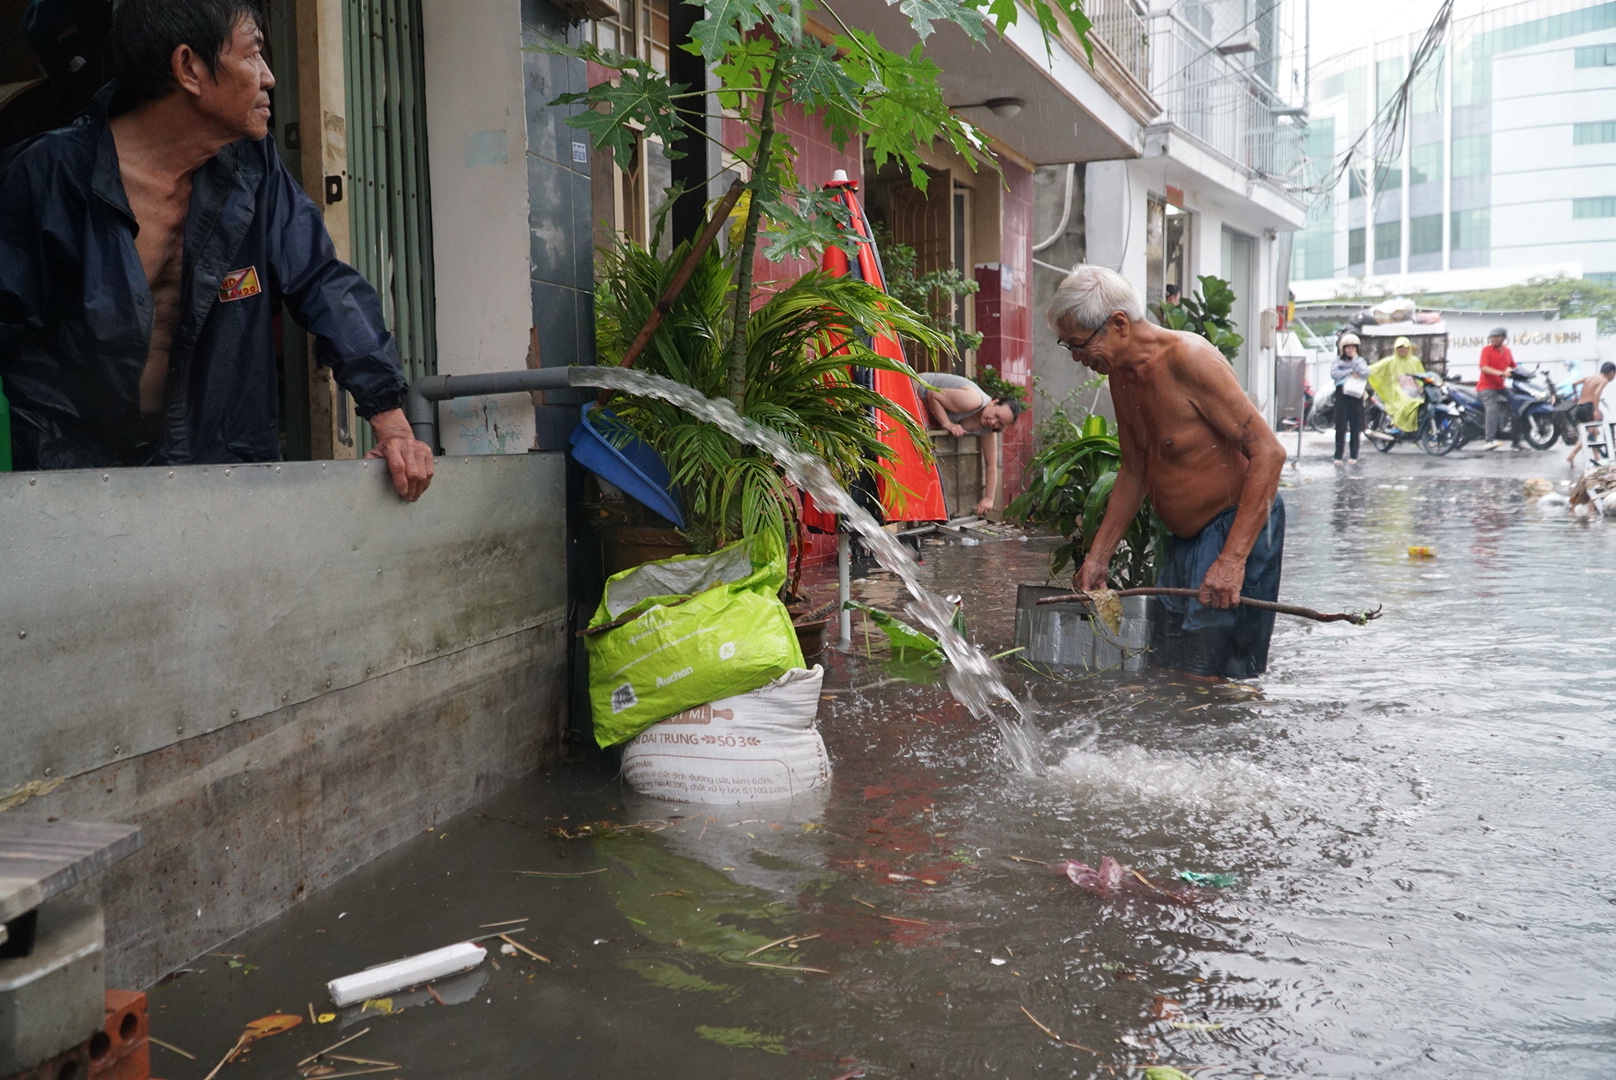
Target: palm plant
798	347
1068	484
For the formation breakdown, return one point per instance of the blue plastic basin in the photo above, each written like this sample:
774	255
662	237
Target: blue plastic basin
610	449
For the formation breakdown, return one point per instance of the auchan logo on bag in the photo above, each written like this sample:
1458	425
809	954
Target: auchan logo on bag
668	680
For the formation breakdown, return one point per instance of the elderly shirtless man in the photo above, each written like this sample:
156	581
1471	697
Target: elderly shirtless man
1193	443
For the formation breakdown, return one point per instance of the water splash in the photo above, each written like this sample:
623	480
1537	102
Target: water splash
973	678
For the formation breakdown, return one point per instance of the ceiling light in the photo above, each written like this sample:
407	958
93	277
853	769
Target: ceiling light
1002	107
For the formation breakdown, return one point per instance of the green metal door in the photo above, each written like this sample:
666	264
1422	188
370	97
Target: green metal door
390	208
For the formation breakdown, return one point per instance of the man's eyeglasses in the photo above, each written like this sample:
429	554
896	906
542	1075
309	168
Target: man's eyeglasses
1075	349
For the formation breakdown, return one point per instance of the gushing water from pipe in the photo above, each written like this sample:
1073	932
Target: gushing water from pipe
973	679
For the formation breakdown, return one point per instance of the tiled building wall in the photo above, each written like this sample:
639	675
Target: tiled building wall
816	159
561	263
1005	319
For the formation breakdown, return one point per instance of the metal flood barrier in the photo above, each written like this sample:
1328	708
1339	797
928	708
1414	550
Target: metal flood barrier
141	607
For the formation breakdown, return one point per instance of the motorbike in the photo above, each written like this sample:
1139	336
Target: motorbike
1531	417
1322	416
1438	427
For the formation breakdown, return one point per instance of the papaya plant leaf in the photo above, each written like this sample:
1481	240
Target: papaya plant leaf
727	22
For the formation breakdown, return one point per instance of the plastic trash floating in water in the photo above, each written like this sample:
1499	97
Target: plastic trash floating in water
1111	879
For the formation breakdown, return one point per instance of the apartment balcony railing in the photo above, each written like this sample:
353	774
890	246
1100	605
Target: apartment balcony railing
1220	101
1125	31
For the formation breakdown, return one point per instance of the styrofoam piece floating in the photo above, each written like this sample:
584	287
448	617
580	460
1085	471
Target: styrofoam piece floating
384	979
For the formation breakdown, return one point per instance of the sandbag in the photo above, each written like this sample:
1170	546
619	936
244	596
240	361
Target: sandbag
753	747
691	629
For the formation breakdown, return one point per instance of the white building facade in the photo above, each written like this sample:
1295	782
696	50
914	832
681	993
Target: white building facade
1505	168
1211	194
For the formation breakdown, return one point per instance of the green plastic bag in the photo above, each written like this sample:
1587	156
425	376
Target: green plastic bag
691	629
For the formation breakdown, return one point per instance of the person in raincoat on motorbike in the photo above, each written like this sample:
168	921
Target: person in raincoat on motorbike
1385	378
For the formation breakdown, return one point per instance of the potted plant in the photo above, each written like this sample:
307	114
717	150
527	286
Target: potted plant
1068	484
1206	312
780	360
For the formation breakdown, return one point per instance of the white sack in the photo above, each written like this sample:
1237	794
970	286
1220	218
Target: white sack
753	747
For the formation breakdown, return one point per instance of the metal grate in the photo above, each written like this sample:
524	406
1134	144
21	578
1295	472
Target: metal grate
390	209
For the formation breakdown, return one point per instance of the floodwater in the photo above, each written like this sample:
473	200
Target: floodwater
1418	817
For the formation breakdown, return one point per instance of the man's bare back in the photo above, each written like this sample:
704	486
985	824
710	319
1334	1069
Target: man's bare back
160	202
1192	469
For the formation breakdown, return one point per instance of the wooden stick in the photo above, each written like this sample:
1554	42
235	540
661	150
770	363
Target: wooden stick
714	225
239	1044
770	945
1057	1038
518	945
170	1046
1355	618
786	967
330	1048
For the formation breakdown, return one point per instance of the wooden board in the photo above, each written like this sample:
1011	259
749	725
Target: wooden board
40	857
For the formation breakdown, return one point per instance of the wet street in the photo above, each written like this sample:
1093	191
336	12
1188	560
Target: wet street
1412	826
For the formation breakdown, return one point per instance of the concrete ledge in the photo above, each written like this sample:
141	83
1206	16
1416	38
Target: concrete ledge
244	821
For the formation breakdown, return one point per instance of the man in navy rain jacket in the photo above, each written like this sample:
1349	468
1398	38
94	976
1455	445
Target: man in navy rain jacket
142	251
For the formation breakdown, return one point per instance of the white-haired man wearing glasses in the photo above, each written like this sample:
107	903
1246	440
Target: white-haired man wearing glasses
1194	444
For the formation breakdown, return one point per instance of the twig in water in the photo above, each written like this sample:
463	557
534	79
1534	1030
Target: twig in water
1358	618
433	991
549	874
502	922
1023	858
1064	1042
786	967
513	942
770	945
333	1046
170	1046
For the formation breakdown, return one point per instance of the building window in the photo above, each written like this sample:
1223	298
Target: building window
1473	156
1596	56
1594	208
1388	240
1471	229
1605	279
1355	185
639	29
1355	247
1388	79
1425	164
1425	234
1167	237
1389	177
1600	131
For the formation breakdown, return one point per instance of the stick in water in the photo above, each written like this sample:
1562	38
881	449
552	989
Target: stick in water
1356	618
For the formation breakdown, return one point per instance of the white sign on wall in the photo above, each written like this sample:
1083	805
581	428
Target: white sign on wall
1532	339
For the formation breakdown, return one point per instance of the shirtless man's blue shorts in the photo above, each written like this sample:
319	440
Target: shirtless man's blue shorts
1230	643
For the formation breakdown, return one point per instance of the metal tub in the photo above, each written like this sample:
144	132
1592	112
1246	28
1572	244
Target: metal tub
1064	635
